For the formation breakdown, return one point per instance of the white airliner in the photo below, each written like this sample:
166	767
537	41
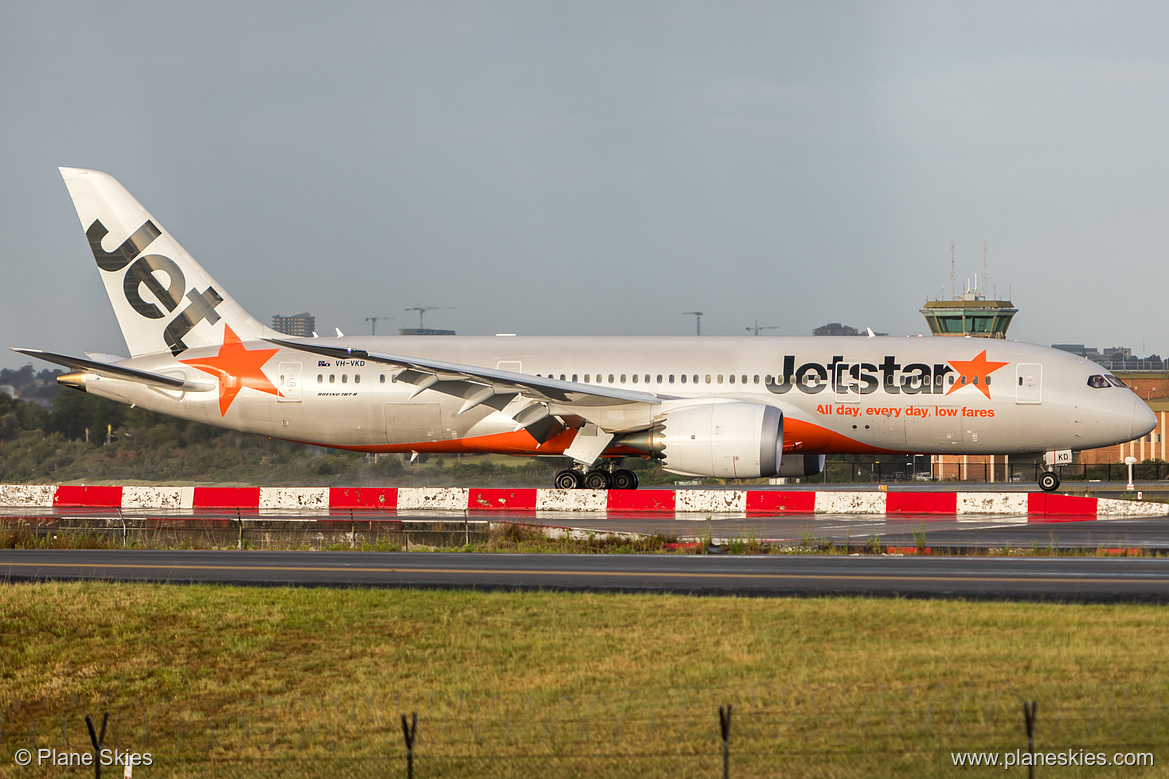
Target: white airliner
734	407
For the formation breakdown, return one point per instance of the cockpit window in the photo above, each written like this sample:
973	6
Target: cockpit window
1098	382
1115	382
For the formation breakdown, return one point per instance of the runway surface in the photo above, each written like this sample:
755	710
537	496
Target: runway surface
942	532
1059	578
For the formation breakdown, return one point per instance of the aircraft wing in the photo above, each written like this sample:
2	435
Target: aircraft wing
478	385
118	371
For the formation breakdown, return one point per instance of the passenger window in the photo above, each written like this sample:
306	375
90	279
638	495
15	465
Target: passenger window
719	378
344	378
708	378
382	378
671	378
744	378
647	378
562	377
731	378
659	378
635	378
586	380
357	379
622	378
574	377
320	379
610	378
683	378
696	378
756	378
768	380
332	378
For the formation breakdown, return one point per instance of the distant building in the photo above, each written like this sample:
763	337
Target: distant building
835	328
1115	358
297	325
424	331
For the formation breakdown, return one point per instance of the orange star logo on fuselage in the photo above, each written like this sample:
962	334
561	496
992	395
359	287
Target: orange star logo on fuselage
975	372
236	368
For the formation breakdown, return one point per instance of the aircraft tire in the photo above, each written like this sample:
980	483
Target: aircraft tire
624	479
568	479
1049	481
597	480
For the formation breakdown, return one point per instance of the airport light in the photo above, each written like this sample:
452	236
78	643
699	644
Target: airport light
1130	461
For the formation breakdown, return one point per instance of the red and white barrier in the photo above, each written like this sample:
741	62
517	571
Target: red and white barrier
1036	506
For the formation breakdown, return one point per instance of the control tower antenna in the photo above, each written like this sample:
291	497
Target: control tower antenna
373	322
697	320
421	309
984	269
953	291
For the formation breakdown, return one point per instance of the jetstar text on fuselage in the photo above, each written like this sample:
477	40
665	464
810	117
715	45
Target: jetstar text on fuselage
865	378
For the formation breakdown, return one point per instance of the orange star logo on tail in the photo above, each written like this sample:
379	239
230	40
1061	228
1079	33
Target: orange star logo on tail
236	368
976	372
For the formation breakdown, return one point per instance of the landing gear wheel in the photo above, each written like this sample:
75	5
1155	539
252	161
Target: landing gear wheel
623	479
597	480
567	479
1048	481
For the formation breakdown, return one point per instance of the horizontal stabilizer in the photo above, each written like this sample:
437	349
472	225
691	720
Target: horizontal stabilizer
118	371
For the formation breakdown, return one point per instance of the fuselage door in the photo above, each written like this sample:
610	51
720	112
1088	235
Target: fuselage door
1029	383
848	388
288	382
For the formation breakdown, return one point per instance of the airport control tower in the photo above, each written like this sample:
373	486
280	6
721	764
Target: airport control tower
970	313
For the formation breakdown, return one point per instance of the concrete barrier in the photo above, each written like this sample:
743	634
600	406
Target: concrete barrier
1037	506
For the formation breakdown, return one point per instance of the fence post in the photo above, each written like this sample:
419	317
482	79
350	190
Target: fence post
97	740
1029	720
410	731
724	722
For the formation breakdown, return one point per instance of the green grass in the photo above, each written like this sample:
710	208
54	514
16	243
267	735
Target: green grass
224	681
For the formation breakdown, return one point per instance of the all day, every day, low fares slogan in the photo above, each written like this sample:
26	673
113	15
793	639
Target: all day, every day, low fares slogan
909	412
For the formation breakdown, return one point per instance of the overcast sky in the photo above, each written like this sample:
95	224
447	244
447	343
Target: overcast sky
599	168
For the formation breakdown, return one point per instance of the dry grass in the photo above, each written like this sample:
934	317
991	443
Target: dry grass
219	681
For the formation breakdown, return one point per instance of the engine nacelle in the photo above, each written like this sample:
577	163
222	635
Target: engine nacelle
797	465
733	439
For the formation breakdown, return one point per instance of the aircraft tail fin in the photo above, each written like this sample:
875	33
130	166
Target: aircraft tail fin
163	299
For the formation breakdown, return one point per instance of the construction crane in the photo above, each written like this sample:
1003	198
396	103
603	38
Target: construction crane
421	309
759	327
697	320
373	322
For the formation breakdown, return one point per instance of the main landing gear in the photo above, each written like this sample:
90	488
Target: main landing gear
596	479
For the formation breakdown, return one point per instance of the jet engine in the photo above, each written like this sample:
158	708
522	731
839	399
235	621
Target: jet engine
732	439
797	465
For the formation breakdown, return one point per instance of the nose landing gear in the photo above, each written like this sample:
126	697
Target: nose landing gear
1049	479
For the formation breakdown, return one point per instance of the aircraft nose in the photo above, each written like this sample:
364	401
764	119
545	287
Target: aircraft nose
1144	421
